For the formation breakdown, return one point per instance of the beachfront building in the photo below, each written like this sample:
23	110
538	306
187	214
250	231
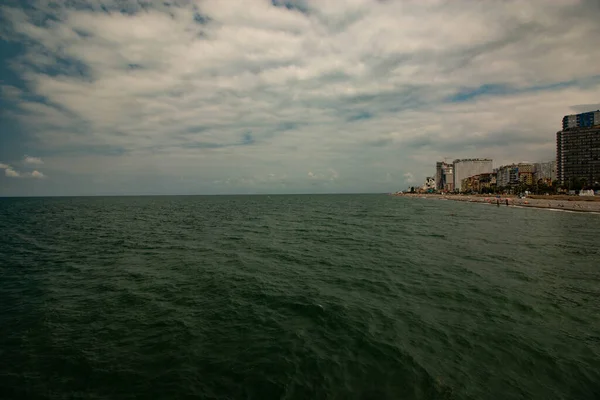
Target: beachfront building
508	175
578	153
466	168
486	182
515	174
479	183
449	187
466	185
545	172
525	173
444	176
583	120
429	185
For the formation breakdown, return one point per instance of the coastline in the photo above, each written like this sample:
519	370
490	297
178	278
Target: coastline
563	204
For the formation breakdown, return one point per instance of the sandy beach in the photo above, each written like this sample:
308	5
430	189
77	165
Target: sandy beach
564	203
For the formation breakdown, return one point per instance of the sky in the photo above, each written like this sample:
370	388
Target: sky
107	97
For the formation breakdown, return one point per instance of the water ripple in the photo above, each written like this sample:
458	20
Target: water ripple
294	297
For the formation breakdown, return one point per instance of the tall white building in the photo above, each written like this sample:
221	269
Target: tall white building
468	167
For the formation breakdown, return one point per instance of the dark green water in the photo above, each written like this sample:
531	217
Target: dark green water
296	297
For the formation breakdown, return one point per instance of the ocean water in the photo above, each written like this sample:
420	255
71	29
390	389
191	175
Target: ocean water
296	297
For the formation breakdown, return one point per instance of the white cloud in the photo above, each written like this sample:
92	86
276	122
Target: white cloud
408	177
11	173
361	85
33	160
37	175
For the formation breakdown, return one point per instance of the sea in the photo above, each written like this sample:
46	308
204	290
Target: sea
296	297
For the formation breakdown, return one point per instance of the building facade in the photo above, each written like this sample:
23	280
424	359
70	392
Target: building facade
525	173
508	175
470	167
479	183
466	185
515	174
578	155
444	176
487	181
430	184
545	172
583	120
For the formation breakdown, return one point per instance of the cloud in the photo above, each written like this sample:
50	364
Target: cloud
11	173
33	160
213	97
408	177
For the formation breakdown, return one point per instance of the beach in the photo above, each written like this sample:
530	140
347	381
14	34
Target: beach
564	203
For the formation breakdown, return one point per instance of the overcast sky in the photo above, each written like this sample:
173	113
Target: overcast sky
296	96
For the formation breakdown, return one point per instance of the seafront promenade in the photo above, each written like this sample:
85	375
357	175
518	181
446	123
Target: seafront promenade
566	203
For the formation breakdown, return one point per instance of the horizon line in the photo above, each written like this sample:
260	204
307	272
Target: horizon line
191	195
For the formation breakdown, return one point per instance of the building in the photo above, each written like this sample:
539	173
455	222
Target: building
466	168
429	185
545	172
479	183
486	181
525	173
444	176
466	185
578	155
439	172
515	174
448	183
583	120
508	175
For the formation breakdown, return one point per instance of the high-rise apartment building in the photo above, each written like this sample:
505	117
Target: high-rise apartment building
470	167
583	120
444	177
578	155
578	149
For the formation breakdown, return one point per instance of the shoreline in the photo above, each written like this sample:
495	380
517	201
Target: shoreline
571	205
